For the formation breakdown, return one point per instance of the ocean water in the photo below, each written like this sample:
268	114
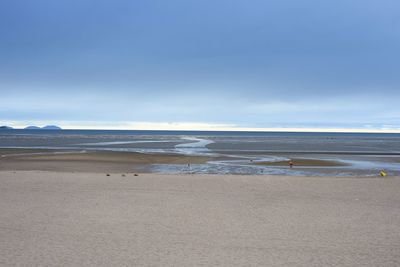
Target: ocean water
233	152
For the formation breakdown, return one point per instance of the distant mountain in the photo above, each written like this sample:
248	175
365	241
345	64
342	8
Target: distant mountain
51	127
5	127
47	127
32	128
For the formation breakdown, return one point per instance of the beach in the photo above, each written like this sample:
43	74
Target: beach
200	133
111	161
95	161
202	152
53	218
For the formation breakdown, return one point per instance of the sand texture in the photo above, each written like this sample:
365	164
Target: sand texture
44	160
90	219
303	162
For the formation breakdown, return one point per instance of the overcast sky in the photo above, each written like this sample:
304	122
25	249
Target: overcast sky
230	63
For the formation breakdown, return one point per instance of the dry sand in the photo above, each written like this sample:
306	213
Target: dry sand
90	219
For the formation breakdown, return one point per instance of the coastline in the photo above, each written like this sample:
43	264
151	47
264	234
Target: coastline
113	161
266	153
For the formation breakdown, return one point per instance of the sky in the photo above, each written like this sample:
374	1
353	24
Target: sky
201	64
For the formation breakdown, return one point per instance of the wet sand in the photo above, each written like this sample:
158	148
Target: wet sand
90	219
303	162
103	161
45	160
130	162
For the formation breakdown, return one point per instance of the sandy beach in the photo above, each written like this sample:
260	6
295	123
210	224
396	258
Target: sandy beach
99	161
90	219
199	133
113	161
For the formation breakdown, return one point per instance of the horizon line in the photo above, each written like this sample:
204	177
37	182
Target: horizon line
195	126
256	130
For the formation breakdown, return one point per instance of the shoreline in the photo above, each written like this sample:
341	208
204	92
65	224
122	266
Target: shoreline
122	161
302	163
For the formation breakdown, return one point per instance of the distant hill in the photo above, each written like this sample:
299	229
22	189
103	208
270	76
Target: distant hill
32	128
5	127
51	127
47	127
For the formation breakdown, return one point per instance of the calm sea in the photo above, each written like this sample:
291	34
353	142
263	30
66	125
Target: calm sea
364	153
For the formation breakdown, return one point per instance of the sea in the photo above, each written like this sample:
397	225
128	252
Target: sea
361	154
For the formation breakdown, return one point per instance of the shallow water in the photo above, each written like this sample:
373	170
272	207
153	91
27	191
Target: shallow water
365	154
